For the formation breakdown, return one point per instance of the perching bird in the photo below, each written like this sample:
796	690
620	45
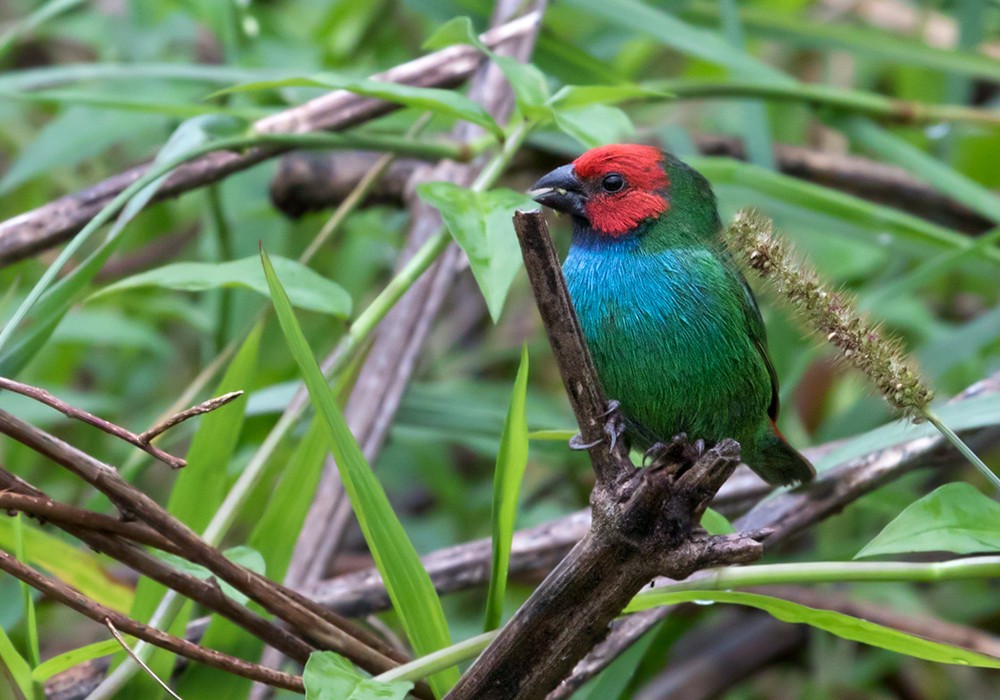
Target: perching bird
673	328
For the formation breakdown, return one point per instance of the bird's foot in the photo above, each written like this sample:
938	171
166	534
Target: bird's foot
679	449
614	428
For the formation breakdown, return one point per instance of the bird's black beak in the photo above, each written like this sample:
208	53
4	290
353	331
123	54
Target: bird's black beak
560	190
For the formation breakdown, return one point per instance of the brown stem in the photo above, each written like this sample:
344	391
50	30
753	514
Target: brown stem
95	611
136	504
575	365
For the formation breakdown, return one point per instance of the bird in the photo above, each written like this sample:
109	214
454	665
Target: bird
673	328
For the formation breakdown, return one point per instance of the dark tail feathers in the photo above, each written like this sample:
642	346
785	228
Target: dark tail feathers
781	464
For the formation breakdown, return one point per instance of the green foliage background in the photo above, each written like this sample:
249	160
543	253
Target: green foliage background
89	89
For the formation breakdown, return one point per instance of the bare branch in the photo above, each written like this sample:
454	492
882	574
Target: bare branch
119	432
359	645
95	611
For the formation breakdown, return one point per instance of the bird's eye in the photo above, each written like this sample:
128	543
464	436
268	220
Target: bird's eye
613	182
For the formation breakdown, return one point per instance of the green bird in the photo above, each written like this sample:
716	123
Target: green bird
673	328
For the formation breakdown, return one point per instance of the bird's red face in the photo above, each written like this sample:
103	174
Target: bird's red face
615	188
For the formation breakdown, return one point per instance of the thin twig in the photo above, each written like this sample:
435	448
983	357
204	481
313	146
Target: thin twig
204	407
46	509
205	592
44	397
136	504
142	664
95	611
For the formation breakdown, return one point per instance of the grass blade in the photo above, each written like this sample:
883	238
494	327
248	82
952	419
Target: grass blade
409	587
511	462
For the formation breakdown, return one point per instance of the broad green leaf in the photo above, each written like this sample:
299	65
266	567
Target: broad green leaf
329	676
530	87
457	30
716	523
447	102
507	477
27	598
595	125
844	626
18	671
79	568
480	223
306	287
410	588
73	657
952	518
242	555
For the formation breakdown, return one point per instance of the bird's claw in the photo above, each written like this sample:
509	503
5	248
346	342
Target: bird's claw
576	443
614	428
679	449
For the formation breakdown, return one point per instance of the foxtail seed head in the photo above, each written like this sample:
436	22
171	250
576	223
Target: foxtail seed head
833	314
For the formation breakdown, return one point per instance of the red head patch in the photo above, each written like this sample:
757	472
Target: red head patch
617	205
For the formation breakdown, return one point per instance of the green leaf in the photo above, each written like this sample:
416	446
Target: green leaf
18	671
716	523
952	518
480	224
200	488
242	555
58	664
530	86
307	288
329	676
446	102
507	477
78	567
457	30
531	89
843	626
409	587
595	125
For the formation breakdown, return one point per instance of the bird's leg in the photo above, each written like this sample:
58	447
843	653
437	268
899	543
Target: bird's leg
679	449
614	428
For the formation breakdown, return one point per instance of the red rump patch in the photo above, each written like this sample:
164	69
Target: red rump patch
644	194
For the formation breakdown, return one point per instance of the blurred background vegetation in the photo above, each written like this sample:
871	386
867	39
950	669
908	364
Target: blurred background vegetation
89	89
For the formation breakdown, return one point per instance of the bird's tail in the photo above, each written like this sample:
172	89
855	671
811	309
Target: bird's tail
779	463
